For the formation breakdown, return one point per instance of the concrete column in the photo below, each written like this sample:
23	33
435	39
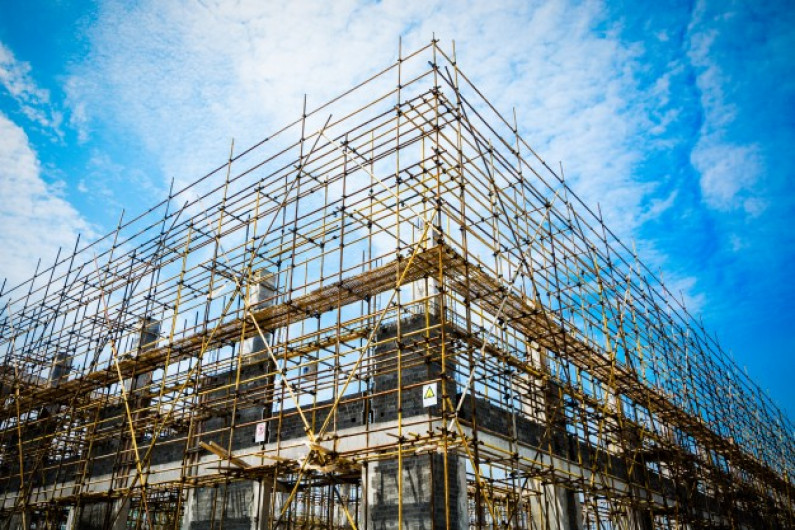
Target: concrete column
542	402
340	520
121	512
71	519
260	295
423	288
13	522
424	503
556	508
261	506
59	371
39	436
234	503
423	500
532	390
98	515
639	519
245	505
150	333
93	516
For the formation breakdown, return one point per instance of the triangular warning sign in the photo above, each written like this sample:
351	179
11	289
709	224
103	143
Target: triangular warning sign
429	395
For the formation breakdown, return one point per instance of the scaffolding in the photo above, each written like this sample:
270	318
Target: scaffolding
391	313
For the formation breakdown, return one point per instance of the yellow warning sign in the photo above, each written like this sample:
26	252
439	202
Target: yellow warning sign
429	395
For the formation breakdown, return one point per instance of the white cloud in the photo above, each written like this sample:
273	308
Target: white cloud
185	78
35	220
33	101
683	290
730	171
78	117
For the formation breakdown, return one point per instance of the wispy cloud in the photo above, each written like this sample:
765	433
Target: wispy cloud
730	170
34	217
33	101
729	173
184	79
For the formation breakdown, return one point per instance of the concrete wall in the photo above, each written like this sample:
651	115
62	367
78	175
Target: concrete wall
423	506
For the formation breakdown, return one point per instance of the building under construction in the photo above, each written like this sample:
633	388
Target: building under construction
391	313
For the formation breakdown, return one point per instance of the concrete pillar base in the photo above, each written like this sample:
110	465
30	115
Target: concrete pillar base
93	516
239	507
557	508
423	505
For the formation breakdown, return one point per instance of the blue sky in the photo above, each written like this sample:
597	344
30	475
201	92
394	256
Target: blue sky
678	120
